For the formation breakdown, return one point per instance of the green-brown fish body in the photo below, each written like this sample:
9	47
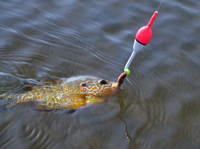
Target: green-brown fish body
71	93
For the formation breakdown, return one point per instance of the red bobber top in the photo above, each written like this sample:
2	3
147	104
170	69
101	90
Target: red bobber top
144	34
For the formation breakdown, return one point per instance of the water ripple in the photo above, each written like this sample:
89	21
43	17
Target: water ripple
158	104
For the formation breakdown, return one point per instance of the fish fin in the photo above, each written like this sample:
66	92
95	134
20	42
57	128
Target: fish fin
47	79
40	106
6	104
71	111
53	81
65	111
28	84
94	101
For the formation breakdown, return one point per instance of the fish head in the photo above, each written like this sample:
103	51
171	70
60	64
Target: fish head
102	88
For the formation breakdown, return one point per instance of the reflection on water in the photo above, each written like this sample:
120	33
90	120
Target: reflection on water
158	106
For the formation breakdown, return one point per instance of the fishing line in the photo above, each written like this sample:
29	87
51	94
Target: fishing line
159	5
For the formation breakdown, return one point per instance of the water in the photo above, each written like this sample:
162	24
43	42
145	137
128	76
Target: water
158	106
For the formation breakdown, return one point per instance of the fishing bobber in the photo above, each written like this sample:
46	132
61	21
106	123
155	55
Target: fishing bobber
142	38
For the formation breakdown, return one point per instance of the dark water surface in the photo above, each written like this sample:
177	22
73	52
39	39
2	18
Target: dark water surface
159	105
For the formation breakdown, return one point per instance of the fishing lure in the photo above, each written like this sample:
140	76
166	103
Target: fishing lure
64	93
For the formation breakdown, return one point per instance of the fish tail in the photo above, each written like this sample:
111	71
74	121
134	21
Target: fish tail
10	101
7	103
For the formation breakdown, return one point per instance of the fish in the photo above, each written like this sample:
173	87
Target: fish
63	93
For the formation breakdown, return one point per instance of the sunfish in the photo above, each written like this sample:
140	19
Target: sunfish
64	93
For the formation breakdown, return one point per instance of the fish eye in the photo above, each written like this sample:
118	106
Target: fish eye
103	82
83	84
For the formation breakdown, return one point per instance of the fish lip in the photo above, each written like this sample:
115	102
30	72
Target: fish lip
121	78
114	85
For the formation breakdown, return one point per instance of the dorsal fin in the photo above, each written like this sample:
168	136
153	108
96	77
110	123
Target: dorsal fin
53	81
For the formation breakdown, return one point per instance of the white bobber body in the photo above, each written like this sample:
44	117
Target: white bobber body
137	46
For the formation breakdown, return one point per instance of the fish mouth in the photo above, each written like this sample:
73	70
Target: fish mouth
120	80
